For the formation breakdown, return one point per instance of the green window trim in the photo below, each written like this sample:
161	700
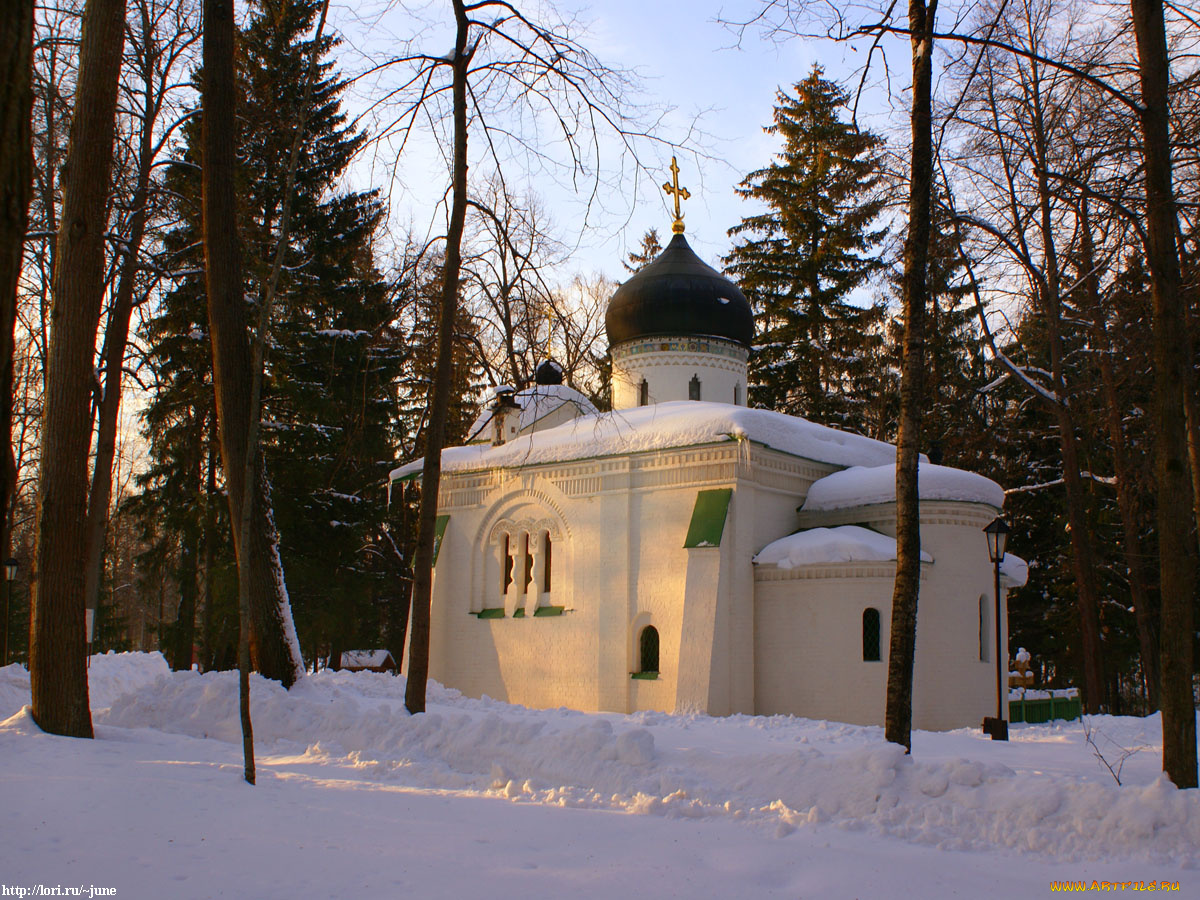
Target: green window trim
548	611
644	676
493	612
520	613
708	518
438	534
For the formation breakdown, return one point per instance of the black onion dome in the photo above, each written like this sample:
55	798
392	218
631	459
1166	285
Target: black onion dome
679	294
548	373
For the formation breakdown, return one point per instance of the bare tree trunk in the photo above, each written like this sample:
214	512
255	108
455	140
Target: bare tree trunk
184	634
903	640
1193	431
272	634
439	401
1082	558
117	337
208	651
223	275
57	658
253	457
16	187
1172	356
1127	500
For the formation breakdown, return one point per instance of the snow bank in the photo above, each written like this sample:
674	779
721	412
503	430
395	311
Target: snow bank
779	773
661	426
816	546
859	486
110	675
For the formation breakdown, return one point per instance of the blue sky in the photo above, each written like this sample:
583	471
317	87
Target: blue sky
686	60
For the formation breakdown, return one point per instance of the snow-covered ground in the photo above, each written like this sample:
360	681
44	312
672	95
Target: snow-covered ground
476	798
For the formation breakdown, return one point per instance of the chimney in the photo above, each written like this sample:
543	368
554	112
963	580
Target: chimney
506	415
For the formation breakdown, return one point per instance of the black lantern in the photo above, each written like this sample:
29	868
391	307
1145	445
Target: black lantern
997	537
10	568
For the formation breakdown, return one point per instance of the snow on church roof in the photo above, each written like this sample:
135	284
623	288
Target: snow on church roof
660	426
843	544
1014	571
536	402
858	486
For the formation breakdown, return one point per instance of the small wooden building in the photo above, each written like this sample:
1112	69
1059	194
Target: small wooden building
367	661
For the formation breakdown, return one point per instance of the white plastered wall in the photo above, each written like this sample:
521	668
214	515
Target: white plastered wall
809	627
668	373
621	564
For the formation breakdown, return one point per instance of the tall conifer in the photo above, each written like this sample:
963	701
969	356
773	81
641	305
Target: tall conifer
329	400
800	262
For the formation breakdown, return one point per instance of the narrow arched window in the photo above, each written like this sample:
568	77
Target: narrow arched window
508	565
694	388
546	565
737	395
983	629
648	650
528	579
644	393
870	634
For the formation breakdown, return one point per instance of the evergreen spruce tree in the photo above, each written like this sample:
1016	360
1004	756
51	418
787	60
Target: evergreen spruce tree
645	254
330	397
466	378
336	352
957	424
179	422
801	260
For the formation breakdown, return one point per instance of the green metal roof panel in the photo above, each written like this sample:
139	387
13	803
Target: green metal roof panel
438	534
708	518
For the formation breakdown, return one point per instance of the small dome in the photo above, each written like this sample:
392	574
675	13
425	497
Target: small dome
549	372
679	294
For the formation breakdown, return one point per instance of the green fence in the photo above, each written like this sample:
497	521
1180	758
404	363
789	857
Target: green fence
1043	709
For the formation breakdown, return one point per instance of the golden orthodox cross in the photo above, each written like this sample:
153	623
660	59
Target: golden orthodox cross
679	193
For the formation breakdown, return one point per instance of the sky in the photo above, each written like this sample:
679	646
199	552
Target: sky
685	59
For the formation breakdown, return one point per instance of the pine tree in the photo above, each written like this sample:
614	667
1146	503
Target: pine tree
801	261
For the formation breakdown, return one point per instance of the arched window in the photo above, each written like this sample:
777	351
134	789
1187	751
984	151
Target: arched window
648	650
508	565
546	565
870	629
528	580
983	629
644	393
737	395
694	388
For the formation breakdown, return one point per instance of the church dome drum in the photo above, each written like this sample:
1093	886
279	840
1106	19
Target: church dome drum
678	294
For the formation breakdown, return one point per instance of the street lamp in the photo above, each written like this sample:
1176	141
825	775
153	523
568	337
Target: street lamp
10	575
997	537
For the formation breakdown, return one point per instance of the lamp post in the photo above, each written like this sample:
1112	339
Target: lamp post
10	575
997	537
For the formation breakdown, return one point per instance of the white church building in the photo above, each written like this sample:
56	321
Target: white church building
685	552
